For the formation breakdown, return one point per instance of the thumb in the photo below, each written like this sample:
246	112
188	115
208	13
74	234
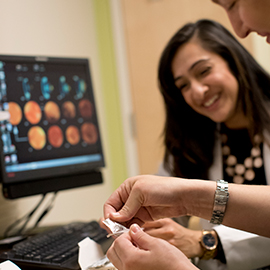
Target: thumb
124	214
140	238
130	208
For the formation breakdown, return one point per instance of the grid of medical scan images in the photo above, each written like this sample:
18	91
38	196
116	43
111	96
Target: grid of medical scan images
52	116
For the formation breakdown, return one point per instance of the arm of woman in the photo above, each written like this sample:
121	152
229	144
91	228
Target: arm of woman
147	198
248	209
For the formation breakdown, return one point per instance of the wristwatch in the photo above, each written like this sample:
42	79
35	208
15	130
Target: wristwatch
209	242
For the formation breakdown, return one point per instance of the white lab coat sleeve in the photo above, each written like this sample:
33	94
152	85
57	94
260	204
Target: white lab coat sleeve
243	250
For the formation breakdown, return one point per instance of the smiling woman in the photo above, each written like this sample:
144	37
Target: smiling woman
207	84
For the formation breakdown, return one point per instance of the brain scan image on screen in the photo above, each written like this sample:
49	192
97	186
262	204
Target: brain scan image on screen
68	110
55	136
85	108
37	137
46	87
80	86
52	112
89	133
26	88
64	87
32	112
15	112
73	135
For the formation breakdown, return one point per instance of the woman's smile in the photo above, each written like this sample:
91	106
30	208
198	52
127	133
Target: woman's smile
211	101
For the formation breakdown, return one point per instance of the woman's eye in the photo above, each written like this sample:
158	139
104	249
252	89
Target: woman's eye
231	5
182	87
205	71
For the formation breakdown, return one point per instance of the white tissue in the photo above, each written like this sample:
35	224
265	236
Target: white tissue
8	265
92	257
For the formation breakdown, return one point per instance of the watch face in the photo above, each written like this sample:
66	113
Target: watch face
209	240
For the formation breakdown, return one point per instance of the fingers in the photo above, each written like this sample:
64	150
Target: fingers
130	208
120	201
158	233
113	204
138	198
120	251
137	250
153	228
113	257
152	225
141	239
102	225
129	200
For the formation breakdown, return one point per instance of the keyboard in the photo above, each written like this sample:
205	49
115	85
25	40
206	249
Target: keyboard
56	248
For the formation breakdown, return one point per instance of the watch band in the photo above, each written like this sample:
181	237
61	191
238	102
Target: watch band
209	243
221	199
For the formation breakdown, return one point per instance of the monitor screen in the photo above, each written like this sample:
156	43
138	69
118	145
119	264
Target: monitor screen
52	139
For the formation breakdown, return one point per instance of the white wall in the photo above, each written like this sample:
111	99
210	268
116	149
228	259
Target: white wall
56	28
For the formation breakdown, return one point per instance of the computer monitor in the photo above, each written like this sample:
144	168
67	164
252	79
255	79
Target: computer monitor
52	140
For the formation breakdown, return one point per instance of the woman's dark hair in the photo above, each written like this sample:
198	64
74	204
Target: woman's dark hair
189	137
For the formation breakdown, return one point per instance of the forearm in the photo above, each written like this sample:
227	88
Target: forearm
248	207
198	198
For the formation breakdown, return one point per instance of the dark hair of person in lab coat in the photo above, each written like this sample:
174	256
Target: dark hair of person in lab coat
189	137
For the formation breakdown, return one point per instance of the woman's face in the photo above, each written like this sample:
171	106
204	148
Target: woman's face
206	83
248	16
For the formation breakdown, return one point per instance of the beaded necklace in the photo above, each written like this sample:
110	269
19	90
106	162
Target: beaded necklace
241	172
